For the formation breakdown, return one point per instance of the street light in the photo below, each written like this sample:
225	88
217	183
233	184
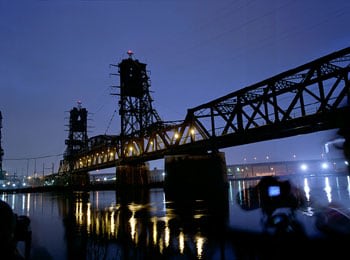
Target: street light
304	166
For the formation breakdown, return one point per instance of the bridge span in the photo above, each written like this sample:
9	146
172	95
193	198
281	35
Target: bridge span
309	98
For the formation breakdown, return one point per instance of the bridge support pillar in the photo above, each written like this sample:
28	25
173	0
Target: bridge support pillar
196	176
79	180
132	174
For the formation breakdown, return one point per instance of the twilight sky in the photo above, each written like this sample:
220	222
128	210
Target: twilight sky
56	52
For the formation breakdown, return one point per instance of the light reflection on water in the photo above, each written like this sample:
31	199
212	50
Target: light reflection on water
140	224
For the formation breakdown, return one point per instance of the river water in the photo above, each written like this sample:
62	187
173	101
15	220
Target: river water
143	224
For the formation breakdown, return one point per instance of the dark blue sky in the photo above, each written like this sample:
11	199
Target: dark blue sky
54	53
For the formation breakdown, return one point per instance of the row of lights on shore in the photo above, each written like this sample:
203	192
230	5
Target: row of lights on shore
267	157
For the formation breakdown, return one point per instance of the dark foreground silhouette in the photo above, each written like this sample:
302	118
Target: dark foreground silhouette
13	228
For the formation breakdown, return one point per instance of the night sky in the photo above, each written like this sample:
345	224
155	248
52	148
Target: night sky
54	53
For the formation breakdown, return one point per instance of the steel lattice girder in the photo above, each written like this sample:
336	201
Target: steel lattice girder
309	98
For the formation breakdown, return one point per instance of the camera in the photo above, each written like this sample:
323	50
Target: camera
274	191
270	194
278	201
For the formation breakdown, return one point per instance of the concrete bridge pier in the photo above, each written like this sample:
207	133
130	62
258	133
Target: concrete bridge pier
75	180
196	177
129	175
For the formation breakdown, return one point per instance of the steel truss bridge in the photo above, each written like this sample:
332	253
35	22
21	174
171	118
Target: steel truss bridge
310	98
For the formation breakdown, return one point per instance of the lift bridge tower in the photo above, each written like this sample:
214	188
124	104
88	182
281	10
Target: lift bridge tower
135	104
137	116
76	142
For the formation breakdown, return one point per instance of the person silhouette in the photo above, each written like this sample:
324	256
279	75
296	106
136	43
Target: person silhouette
8	241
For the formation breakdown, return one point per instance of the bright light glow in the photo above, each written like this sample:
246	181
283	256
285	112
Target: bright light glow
88	217
181	242
176	135
303	167
324	165
346	163
307	189
155	233
167	235
328	190
133	223
200	246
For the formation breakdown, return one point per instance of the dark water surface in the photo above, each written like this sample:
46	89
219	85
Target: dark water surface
143	224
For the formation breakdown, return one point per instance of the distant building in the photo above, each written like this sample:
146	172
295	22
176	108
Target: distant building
332	166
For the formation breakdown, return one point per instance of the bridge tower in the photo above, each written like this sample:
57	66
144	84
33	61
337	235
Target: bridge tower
77	141
138	117
77	136
135	105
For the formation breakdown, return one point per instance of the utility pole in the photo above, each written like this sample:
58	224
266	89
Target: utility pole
27	168
34	168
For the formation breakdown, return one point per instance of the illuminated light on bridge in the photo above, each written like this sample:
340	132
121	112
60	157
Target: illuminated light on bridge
192	131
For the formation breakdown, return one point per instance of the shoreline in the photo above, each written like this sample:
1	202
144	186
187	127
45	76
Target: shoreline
113	185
